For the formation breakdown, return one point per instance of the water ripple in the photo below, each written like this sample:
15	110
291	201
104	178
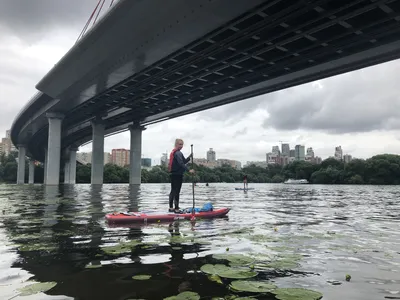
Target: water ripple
300	236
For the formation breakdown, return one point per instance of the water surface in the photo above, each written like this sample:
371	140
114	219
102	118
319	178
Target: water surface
58	234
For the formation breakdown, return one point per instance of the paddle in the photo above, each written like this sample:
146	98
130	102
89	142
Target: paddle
191	151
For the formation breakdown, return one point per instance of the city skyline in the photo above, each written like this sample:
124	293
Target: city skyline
120	156
357	110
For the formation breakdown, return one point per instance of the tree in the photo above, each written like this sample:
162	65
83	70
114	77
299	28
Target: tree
379	169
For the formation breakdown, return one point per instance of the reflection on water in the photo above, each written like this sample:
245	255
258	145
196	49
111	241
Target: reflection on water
298	236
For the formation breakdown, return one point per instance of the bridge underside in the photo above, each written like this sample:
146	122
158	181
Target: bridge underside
271	47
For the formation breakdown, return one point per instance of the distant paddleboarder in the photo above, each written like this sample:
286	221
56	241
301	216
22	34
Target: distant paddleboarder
245	184
177	167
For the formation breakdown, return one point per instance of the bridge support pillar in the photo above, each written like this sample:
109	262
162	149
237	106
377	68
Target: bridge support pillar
135	159
31	179
21	164
70	166
97	151
45	165
66	172
54	148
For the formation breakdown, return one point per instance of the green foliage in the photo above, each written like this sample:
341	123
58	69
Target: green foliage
379	169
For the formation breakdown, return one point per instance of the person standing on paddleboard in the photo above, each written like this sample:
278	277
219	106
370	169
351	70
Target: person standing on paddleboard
245	184
177	167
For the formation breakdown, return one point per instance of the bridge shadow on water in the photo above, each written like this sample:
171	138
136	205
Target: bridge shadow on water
59	234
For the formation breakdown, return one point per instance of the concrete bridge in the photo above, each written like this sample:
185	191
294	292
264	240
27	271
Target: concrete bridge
149	61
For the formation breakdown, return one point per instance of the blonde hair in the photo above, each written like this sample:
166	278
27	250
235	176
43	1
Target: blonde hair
177	141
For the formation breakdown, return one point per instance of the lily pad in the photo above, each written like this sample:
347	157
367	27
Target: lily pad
36	288
235	259
37	247
179	239
261	238
141	277
290	256
120	248
296	294
215	278
185	296
93	266
252	286
228	272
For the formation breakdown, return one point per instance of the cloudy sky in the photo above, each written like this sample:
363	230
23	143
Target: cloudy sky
359	111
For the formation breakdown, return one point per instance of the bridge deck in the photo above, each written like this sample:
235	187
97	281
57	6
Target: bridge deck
271	41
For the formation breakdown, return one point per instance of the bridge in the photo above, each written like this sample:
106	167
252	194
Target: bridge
149	61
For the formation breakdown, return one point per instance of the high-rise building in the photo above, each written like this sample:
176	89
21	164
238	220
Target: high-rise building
299	152
120	157
7	146
310	156
272	158
146	162
292	153
286	150
218	163
347	158
107	158
276	151
230	162
284	160
338	153
211	155
164	159
317	160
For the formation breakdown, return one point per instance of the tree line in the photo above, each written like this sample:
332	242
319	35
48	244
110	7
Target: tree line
379	169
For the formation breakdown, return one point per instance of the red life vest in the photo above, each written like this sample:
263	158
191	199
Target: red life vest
171	159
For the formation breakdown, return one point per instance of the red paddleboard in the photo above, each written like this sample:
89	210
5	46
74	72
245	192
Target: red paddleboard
135	217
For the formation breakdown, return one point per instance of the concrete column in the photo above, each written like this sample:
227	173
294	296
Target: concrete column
54	148
45	165
31	172
70	166
66	172
135	159
97	151
21	164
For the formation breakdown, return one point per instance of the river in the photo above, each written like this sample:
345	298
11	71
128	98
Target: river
299	236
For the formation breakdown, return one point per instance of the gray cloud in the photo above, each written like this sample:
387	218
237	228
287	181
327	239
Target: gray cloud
25	23
360	101
240	132
32	20
355	102
231	113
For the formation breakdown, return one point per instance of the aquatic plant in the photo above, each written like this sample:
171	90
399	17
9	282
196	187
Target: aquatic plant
91	266
235	259
252	286
184	296
228	272
120	248
36	288
141	277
